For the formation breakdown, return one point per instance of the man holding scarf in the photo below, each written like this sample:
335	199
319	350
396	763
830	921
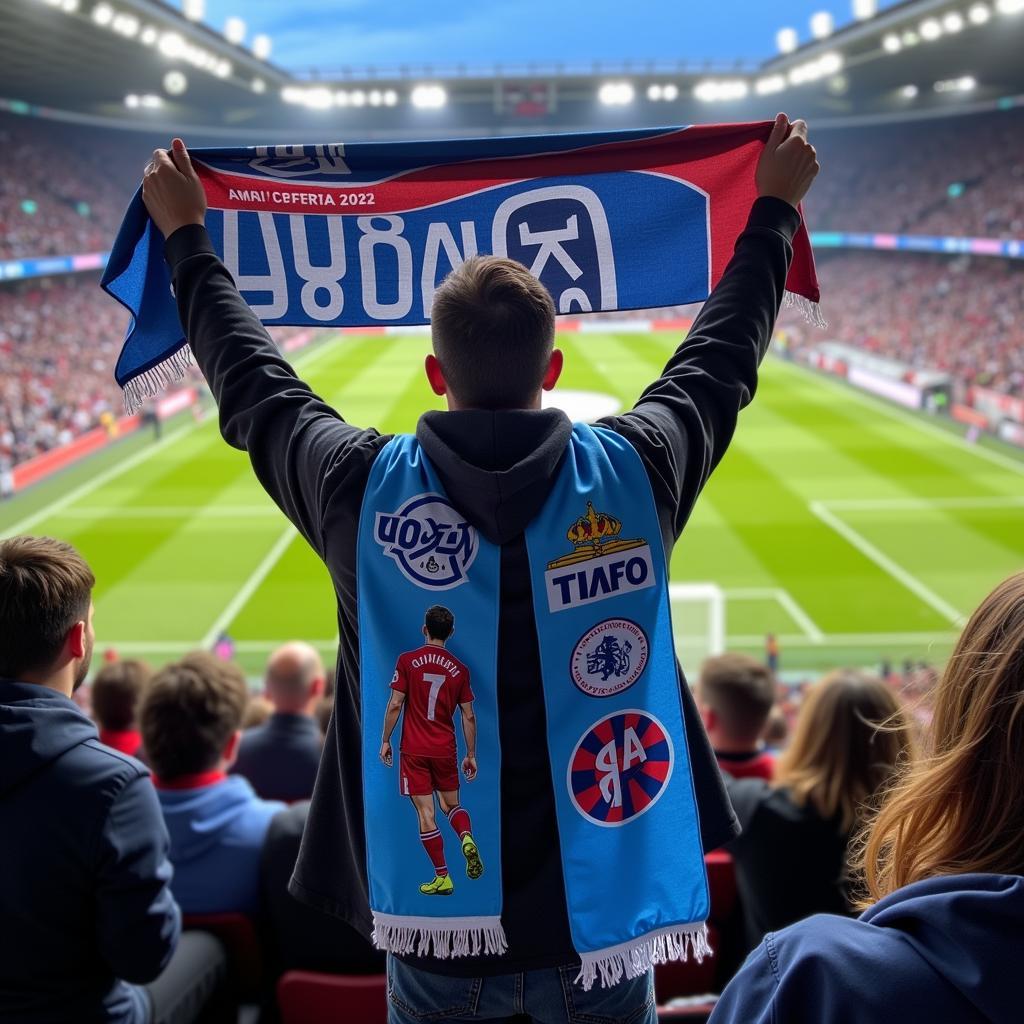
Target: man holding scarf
550	542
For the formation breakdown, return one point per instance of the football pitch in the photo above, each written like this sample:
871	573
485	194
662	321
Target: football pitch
851	529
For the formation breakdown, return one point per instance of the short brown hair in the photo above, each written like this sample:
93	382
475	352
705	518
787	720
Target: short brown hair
116	693
493	328
188	715
741	692
45	588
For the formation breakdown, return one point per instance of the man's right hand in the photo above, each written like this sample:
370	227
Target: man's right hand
172	191
788	164
385	754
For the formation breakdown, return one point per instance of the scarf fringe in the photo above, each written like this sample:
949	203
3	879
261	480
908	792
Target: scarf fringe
811	311
157	379
636	958
443	937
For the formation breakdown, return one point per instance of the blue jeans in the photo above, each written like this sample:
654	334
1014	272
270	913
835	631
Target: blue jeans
547	996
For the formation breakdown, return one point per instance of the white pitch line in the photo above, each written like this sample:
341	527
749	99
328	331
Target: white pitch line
258	575
884	562
800	617
181	646
913	504
982	451
170	512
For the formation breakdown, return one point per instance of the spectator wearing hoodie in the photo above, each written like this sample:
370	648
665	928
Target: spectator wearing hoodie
736	694
191	720
85	901
942	865
116	693
281	757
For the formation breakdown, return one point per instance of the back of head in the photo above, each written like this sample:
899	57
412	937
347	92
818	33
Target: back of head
292	671
116	693
45	588
493	328
850	734
740	690
439	622
190	712
960	808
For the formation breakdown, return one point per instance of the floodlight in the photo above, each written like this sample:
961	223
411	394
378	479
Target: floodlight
786	40
822	24
891	43
864	9
952	22
429	97
261	46
930	29
194	9
234	30
103	14
908	92
175	83
979	14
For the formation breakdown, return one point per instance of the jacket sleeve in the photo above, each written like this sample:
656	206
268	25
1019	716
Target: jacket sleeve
137	920
750	997
684	421
293	438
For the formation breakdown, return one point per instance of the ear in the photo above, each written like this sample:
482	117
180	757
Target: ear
316	688
435	376
231	747
76	640
554	370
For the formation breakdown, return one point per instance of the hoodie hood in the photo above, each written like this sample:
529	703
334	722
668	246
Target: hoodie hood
198	818
37	726
967	928
495	465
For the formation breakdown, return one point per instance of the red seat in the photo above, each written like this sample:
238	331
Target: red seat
308	997
686	977
241	943
721	885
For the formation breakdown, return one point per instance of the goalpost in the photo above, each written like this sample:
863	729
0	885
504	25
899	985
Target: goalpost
698	622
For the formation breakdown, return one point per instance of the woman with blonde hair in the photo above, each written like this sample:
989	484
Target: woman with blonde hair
791	857
940	938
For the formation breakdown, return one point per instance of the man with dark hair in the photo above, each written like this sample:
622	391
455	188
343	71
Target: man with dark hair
736	694
85	902
115	695
428	685
191	725
280	757
495	457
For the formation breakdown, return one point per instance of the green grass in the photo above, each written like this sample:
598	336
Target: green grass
852	529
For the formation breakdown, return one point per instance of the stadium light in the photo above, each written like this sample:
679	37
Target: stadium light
1009	6
616	94
234	30
261	46
909	92
827	64
822	24
390	97
662	91
864	9
910	38
69	6
979	14
930	29
148	101
171	45
358	98
149	35
787	40
770	84
966	83
103	14
721	89
222	69
175	83
428	97
126	25
258	85
194	10
891	43
953	22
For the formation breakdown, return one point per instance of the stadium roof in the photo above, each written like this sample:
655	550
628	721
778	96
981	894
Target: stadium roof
142	64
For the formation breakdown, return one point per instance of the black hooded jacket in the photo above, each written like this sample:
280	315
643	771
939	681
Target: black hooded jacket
497	468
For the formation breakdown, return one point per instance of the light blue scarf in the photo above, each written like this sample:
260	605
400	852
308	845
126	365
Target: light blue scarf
627	819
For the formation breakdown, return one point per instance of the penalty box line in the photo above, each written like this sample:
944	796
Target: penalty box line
888	565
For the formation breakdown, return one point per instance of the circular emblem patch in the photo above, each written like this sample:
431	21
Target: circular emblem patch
430	542
609	658
620	767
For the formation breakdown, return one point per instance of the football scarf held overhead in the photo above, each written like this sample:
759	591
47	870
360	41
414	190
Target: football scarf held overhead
629	836
360	235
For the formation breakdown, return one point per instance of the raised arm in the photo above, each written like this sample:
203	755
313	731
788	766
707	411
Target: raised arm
292	437
684	421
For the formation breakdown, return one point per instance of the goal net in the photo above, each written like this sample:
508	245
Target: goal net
698	621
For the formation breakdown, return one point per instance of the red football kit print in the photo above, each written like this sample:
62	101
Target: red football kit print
434	683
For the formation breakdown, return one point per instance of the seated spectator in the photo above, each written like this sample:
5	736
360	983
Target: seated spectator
281	758
303	938
791	855
116	693
735	695
191	720
776	732
942	865
86	909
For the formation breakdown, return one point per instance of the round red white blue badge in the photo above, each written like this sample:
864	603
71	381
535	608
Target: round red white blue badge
620	767
609	658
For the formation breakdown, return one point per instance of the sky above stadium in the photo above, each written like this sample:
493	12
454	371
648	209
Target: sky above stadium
333	33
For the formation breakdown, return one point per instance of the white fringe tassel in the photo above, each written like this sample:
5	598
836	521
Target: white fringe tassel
157	379
636	958
442	937
811	310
